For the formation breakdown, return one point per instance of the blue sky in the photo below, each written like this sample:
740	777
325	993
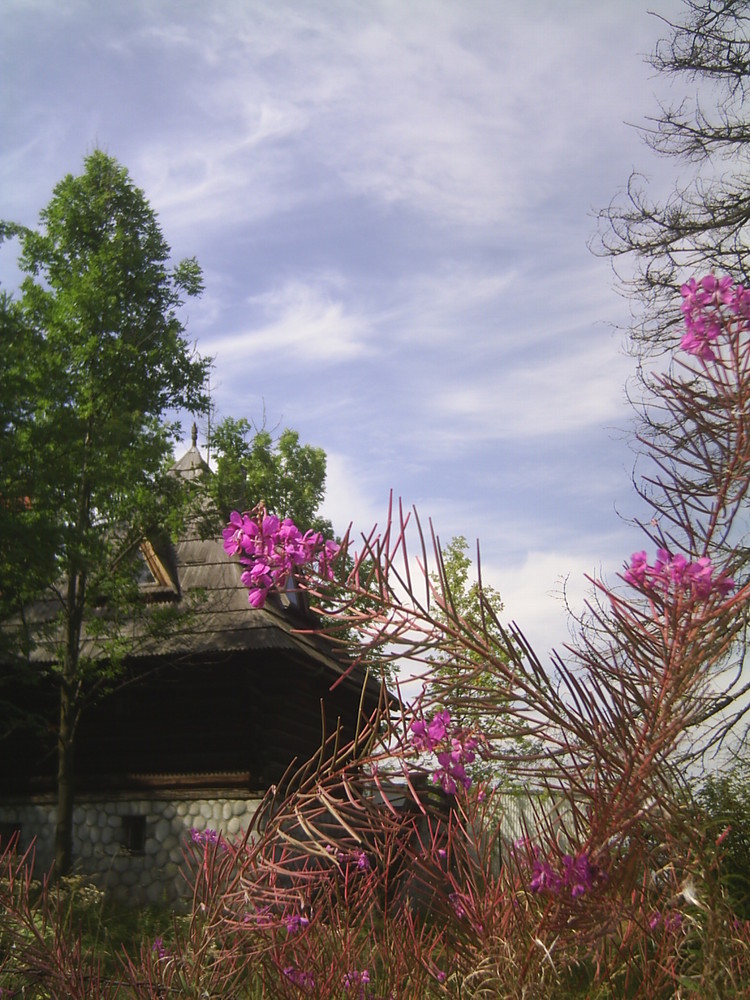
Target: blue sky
391	201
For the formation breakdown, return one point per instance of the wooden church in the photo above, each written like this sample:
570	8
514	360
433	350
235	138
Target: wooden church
209	718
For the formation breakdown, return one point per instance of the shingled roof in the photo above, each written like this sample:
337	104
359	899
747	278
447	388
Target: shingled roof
195	575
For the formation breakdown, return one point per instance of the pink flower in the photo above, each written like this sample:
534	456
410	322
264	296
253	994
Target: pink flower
296	923
636	575
675	573
305	980
707	306
545	878
237	532
274	550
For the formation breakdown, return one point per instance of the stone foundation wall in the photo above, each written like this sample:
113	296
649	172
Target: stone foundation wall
132	849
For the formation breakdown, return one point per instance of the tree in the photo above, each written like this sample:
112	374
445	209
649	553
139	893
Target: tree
288	477
108	360
702	225
463	607
469	612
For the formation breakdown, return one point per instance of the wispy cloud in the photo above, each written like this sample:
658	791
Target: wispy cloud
301	322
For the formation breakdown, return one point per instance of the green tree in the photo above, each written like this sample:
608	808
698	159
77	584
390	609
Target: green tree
469	612
106	363
252	467
701	226
25	561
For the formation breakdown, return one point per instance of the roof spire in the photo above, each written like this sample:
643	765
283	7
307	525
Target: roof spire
195	435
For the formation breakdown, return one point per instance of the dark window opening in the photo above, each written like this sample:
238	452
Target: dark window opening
133	834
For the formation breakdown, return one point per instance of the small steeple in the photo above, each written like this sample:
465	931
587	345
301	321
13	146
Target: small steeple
192	464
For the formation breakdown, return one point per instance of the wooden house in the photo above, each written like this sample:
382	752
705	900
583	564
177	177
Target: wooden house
211	716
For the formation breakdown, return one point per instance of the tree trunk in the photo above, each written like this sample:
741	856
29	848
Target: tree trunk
65	781
69	711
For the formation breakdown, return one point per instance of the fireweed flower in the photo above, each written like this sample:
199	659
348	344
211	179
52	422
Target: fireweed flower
158	947
207	837
295	923
709	305
579	875
358	858
356	980
702	306
453	752
674	573
273	550
545	878
305	980
671	922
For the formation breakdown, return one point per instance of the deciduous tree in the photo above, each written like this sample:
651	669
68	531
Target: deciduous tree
106	361
252	467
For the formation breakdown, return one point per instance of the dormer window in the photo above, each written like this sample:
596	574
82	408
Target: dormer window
154	578
292	597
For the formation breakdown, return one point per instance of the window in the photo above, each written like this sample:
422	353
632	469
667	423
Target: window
133	834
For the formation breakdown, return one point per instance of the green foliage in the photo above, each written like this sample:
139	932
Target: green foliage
469	613
252	467
26	561
725	801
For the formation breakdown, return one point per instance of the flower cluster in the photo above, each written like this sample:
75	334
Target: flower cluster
296	922
356	980
671	921
357	858
675	572
453	751
578	876
305	980
705	306
161	951
274	550
208	837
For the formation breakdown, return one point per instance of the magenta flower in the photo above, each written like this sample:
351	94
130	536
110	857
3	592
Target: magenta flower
237	533
453	752
158	947
671	921
579	874
295	923
675	573
636	574
545	878
708	305
357	857
305	980
357	980
274	550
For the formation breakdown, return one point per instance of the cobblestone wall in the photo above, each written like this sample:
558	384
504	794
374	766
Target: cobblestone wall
133	849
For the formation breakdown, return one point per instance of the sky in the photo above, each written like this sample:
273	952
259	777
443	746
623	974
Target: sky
392	202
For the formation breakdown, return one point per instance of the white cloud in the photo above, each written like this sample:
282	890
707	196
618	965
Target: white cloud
350	498
541	592
303	324
539	396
